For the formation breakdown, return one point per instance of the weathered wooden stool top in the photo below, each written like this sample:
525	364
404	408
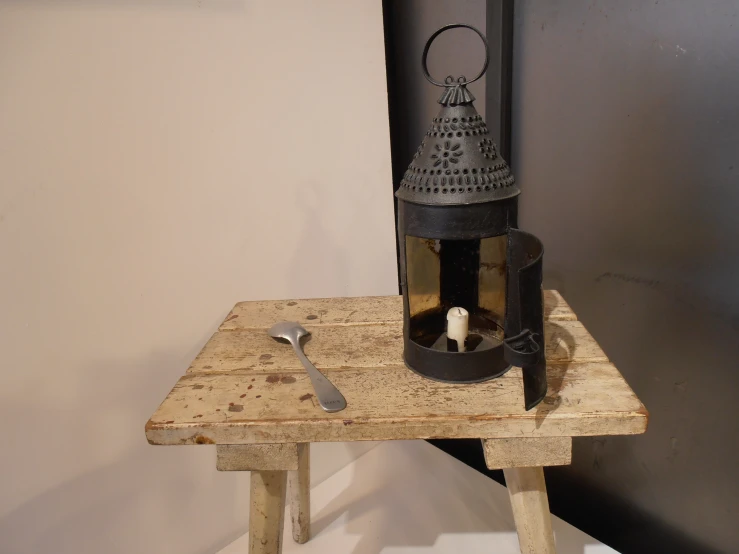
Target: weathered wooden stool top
246	388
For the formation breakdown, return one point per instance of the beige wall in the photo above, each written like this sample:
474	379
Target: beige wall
159	161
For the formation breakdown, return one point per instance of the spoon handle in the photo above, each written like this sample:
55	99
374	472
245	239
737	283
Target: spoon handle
328	395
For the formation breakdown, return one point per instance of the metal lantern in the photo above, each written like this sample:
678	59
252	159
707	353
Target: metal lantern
471	280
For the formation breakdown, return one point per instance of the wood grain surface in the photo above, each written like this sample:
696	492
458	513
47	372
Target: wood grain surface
353	347
527	452
246	388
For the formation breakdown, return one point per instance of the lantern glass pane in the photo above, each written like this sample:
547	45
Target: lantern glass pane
422	274
492	280
443	274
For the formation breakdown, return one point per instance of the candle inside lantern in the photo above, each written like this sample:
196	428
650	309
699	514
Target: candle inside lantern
458	326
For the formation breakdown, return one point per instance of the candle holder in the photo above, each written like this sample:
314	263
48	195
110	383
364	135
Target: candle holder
460	247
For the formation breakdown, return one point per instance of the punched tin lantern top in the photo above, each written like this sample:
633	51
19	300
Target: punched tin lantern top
457	162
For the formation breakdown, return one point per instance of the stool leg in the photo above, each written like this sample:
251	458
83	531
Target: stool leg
528	494
267	511
300	495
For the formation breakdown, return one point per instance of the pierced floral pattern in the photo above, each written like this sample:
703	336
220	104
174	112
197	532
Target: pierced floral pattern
449	154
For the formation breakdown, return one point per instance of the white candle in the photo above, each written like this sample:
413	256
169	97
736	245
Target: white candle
457	326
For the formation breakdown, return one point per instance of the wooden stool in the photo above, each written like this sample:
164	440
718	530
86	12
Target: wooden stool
249	396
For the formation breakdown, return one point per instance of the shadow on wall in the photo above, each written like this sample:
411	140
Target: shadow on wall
122	506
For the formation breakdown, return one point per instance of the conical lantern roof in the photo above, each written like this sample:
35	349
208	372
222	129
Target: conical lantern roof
457	162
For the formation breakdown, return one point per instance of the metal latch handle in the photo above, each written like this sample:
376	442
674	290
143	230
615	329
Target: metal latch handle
522	349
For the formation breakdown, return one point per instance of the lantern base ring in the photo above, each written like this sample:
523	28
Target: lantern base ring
455	367
457	381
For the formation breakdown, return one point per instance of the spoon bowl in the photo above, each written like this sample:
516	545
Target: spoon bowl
288	331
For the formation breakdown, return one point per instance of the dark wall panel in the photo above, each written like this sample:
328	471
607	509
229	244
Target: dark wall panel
626	146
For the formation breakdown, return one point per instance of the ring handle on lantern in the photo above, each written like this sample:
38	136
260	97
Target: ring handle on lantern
449	81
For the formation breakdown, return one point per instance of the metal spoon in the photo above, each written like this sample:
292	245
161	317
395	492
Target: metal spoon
328	395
